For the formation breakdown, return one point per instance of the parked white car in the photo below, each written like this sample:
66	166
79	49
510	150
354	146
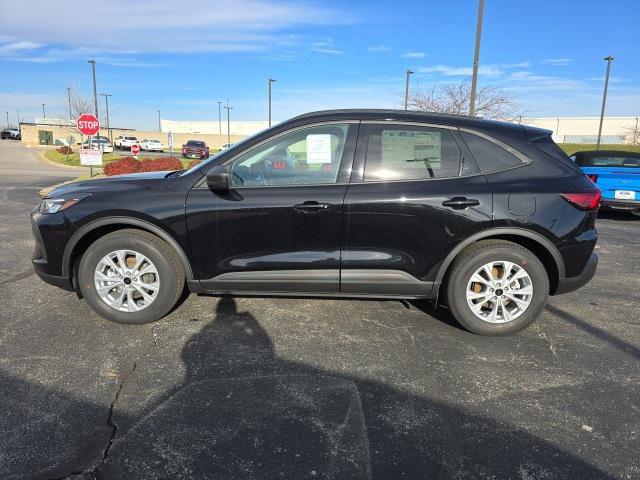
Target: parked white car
226	145
125	142
102	143
151	145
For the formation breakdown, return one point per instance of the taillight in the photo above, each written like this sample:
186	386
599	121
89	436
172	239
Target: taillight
592	177
583	201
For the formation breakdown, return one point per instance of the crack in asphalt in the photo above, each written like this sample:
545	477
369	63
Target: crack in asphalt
114	429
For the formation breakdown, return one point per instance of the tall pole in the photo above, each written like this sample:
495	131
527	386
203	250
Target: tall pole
609	59
18	117
406	90
220	117
271	80
69	95
44	113
159	122
8	120
476	60
95	90
106	102
228	108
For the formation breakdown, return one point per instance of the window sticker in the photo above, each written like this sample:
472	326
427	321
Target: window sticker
319	148
401	146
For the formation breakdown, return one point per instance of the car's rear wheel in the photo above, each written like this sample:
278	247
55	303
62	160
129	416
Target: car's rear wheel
496	287
131	276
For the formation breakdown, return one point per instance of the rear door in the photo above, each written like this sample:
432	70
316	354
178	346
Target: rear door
416	193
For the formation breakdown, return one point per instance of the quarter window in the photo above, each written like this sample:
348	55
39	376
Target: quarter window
302	157
399	152
490	156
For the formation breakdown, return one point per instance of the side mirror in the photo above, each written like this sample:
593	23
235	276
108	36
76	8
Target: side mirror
218	179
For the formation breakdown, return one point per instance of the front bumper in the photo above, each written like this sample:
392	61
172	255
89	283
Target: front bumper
50	232
571	284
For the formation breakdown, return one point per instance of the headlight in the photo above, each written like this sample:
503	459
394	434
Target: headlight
54	205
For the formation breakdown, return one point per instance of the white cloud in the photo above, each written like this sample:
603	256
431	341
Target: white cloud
557	62
13	48
326	46
449	71
414	55
148	26
379	48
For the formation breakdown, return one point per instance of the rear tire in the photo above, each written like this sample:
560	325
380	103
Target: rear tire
135	302
512	300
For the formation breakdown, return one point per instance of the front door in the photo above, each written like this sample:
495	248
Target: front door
279	228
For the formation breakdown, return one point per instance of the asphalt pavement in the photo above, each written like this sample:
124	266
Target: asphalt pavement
252	388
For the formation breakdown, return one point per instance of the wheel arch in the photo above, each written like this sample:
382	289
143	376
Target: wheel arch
87	234
540	246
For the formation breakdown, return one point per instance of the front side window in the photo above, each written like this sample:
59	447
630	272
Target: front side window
303	157
400	152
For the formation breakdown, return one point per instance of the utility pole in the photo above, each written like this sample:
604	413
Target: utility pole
406	89
18	117
220	117
69	95
95	90
476	60
609	59
228	108
44	114
271	80
8	120
106	101
159	122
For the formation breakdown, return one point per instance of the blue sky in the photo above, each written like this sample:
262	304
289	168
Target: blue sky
182	57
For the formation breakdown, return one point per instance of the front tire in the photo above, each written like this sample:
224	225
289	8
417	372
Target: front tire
131	276
496	287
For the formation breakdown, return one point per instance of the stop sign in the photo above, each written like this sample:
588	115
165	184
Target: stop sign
135	149
88	124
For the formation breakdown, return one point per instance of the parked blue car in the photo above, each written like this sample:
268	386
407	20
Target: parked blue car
617	174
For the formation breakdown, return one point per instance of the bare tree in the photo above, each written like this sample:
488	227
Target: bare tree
632	134
491	103
80	104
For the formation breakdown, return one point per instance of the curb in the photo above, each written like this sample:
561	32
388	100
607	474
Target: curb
44	159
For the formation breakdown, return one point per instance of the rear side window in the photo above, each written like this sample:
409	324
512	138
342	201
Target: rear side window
490	156
400	152
548	146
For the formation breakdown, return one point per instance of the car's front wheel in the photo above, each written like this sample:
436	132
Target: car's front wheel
496	287
131	276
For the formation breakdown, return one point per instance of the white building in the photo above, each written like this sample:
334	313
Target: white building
237	127
585	129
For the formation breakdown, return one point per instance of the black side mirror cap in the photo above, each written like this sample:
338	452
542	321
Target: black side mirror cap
218	179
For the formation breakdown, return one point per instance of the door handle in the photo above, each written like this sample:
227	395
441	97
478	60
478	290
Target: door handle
460	203
311	206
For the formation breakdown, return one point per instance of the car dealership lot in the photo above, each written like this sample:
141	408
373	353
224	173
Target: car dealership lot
299	388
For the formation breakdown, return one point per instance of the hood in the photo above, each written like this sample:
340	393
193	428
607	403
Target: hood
115	183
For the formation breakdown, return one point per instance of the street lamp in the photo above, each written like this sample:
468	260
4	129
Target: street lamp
476	60
159	123
69	95
95	90
44	114
18	116
228	108
406	90
609	59
106	101
7	119
271	80
220	117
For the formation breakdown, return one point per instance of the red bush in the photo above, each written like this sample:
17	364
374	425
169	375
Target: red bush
160	164
193	163
64	150
122	166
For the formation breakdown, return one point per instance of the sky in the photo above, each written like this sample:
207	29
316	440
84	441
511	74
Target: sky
182	57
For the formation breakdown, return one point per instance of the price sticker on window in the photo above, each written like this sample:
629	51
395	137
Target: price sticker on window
319	148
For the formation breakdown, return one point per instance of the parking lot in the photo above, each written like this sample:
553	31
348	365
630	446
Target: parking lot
297	388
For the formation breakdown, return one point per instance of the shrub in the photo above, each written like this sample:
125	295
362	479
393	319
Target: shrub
160	164
64	150
193	163
122	166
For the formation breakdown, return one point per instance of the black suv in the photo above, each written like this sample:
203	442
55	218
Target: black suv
488	217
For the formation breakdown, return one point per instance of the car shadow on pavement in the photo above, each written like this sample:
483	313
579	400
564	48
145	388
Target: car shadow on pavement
241	412
618	215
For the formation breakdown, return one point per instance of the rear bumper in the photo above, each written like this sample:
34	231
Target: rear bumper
628	205
571	284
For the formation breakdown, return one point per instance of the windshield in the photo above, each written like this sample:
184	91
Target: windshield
194	143
610	161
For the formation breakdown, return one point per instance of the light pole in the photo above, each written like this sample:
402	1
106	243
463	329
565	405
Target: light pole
106	102
609	59
8	120
69	96
95	90
18	117
271	80
220	117
476	60
228	108
159	122
44	114
406	89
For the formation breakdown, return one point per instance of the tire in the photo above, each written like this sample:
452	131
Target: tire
167	272
460	284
